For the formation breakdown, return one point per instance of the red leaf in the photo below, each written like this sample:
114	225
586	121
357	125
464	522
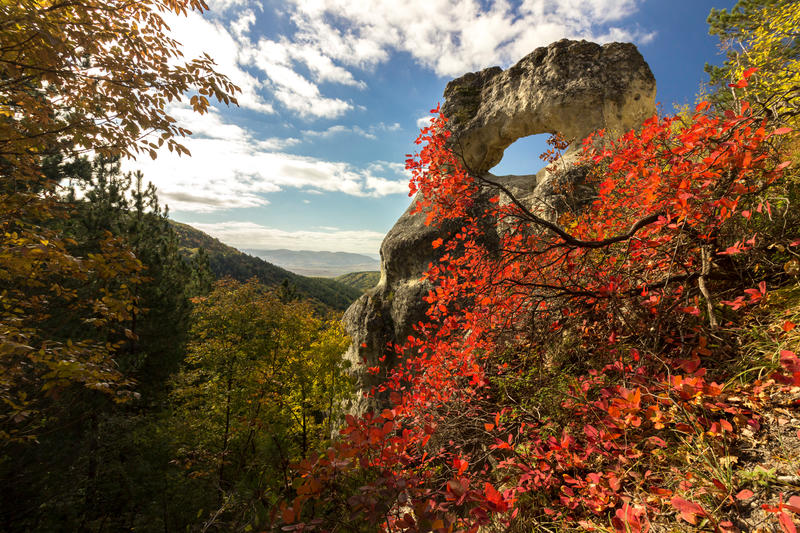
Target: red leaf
787	524
689	510
744	494
788	326
749	72
793	504
782	131
456	487
493	497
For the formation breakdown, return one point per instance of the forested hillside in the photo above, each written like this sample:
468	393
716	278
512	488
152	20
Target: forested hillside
309	263
226	261
363	281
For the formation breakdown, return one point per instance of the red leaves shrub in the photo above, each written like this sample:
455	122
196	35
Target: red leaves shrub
619	312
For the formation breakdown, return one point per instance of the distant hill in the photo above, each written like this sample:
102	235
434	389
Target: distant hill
362	281
227	261
325	264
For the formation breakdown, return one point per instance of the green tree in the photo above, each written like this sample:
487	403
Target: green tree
98	464
67	86
263	388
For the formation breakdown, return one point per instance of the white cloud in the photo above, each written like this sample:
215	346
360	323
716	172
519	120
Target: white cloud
454	36
297	93
339	129
383	187
199	35
334	37
222	5
243	24
277	143
252	235
424	122
209	124
229	169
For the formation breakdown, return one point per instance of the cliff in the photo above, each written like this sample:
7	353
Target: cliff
569	87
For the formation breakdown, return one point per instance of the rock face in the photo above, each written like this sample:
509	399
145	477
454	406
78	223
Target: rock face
571	87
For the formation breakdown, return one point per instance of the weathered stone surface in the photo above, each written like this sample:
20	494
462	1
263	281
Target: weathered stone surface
571	87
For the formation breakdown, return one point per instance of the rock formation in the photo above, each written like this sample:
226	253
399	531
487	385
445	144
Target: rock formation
570	87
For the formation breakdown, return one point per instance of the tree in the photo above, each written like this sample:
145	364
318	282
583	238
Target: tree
76	76
263	388
97	463
95	75
759	35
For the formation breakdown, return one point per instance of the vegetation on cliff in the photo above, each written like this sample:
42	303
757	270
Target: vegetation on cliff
628	366
363	281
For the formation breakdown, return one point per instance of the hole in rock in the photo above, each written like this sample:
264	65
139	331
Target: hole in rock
522	157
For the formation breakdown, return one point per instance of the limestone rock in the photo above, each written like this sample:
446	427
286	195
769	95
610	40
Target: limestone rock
571	87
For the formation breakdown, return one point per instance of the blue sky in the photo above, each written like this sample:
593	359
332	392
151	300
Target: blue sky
334	91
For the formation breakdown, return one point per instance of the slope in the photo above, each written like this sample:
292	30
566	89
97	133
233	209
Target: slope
227	261
363	281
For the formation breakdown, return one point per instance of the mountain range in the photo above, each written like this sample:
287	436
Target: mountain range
310	263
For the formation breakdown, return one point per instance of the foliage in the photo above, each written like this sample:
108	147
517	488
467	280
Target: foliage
760	35
96	464
562	367
362	281
68	82
43	288
263	388
68	86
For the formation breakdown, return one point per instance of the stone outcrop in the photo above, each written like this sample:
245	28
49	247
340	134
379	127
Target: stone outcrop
571	87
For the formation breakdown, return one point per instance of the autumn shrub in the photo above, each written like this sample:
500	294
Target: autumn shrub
581	373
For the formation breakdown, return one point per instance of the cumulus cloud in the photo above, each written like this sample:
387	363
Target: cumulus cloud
339	129
229	169
199	35
424	122
454	36
331	39
252	235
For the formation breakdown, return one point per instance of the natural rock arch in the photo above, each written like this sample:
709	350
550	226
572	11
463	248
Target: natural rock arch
571	87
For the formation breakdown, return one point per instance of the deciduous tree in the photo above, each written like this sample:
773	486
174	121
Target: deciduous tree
263	389
759	36
76	76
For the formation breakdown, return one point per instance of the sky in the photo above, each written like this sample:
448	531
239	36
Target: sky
333	93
